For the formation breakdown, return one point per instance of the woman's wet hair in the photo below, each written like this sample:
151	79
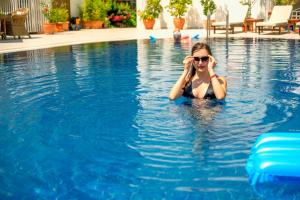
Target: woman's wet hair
200	45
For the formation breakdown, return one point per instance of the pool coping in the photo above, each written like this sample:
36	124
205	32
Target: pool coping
40	41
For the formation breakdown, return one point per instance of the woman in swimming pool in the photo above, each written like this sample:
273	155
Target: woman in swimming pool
198	79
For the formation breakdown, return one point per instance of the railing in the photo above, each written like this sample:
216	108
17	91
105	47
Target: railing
35	18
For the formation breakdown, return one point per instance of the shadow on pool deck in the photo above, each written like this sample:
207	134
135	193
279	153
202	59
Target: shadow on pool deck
39	41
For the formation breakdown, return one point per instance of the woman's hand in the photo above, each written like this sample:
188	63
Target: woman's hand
211	62
186	67
187	62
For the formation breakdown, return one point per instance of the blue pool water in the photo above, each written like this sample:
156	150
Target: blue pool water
94	122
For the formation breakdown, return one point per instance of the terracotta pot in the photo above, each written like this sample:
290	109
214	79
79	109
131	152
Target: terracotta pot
59	27
86	24
92	24
65	26
179	22
49	28
149	23
97	24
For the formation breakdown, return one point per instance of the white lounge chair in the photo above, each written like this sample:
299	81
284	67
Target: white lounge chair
279	18
237	18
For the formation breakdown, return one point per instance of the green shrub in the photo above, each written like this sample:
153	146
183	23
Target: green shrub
131	21
54	15
63	14
284	2
94	10
177	8
209	6
152	10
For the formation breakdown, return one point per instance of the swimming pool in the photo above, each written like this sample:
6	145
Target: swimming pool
93	121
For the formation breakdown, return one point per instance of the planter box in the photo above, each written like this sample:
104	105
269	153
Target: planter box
49	28
149	23
92	24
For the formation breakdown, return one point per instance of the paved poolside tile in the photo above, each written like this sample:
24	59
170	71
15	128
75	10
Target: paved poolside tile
116	34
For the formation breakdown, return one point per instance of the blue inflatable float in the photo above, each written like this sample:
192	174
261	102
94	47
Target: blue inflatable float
152	38
275	157
195	36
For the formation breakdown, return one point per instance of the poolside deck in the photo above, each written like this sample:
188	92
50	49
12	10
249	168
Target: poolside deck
39	41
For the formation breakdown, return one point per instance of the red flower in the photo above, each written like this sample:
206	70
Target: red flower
45	10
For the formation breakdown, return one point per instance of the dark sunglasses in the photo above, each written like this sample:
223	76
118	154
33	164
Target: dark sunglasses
203	59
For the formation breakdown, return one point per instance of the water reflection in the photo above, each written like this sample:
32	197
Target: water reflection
203	110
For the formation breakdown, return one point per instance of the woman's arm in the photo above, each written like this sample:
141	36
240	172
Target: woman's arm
219	84
177	89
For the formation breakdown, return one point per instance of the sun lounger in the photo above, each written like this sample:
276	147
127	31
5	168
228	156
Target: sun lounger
237	18
279	18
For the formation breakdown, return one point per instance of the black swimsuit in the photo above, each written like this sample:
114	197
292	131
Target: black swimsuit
188	92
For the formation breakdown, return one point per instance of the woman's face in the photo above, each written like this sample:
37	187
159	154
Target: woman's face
201	59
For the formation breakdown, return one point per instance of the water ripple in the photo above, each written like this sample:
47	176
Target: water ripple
94	121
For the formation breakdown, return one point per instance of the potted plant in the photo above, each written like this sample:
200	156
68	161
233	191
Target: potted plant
94	13
150	13
209	7
119	13
131	21
51	16
63	16
177	8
